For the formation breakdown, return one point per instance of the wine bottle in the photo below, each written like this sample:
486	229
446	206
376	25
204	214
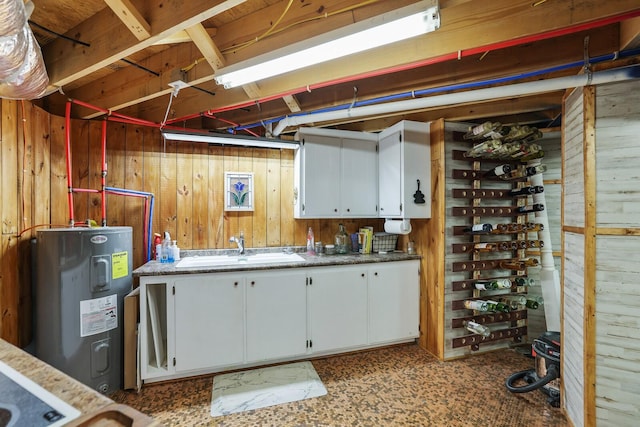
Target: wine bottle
523	173
524	281
534	302
536	207
478	305
498	306
479	229
485	247
483	148
477	328
487	285
534	170
518	264
526	191
535	244
514	301
498	171
518	133
479	131
534	226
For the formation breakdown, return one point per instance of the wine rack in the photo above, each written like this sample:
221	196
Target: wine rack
495	254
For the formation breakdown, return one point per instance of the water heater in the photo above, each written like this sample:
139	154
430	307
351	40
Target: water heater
82	276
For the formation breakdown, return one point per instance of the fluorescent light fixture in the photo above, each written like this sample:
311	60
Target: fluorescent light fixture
400	24
211	138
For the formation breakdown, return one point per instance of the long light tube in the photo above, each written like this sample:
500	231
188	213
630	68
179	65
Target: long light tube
229	140
400	24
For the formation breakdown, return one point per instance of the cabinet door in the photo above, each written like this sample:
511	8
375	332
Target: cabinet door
209	321
390	187
320	177
394	290
359	188
337	308
276	315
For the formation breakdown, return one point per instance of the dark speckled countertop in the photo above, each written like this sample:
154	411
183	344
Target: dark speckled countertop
156	268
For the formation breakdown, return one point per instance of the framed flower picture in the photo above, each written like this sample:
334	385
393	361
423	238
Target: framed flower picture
238	191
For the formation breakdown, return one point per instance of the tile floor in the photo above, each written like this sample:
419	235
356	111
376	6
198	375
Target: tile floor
394	386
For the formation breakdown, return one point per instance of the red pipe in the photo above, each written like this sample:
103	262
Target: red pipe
145	225
104	173
435	60
111	113
67	137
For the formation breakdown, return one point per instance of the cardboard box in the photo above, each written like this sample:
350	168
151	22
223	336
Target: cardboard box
131	319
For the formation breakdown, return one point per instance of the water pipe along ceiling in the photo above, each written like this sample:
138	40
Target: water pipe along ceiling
119	59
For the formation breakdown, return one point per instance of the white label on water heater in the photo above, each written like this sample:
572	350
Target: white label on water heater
98	315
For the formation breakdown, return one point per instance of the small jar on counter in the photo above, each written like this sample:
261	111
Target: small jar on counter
330	250
318	248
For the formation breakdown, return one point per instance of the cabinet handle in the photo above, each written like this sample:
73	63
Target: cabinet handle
348	210
235	284
362	274
335	210
253	282
375	274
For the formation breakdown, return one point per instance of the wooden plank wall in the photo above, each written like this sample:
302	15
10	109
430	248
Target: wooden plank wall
617	255
573	220
187	181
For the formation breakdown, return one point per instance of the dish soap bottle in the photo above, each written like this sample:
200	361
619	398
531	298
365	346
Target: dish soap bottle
310	242
341	240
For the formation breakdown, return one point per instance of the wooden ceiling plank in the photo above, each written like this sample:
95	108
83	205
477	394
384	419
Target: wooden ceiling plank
131	17
67	62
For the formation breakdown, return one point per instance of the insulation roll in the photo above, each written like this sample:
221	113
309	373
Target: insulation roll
22	71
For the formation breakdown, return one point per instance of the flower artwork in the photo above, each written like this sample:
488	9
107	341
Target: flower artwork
238	191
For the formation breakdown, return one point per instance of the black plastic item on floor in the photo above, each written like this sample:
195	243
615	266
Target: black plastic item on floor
546	351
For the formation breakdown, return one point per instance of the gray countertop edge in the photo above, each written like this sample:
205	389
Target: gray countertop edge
156	268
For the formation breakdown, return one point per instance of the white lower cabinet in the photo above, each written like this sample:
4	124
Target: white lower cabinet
199	323
276	307
337	304
209	321
394	301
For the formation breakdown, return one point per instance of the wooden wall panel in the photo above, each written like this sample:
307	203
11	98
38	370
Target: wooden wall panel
287	223
58	178
95	171
572	327
167	208
80	169
231	222
134	206
116	170
618	127
151	153
41	134
245	219
573	162
184	194
618	335
215	195
274	195
201	194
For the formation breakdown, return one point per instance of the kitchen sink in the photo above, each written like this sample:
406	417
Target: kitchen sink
223	260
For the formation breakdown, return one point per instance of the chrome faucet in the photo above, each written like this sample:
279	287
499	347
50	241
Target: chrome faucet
239	241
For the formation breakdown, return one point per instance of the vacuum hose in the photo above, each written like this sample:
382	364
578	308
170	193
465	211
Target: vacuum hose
552	374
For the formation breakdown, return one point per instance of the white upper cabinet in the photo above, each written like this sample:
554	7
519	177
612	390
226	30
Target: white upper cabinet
336	174
404	162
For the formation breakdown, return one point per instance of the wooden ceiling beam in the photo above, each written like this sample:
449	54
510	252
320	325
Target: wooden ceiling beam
466	25
131	17
630	34
67	62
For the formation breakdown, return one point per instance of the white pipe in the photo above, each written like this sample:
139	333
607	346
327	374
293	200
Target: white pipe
549	277
22	71
518	89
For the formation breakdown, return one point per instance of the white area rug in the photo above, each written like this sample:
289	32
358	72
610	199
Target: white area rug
259	388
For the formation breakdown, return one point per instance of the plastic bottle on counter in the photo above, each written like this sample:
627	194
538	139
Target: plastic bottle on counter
176	251
166	248
157	245
310	242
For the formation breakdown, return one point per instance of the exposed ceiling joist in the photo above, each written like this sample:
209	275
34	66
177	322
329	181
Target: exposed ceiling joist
67	62
131	17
